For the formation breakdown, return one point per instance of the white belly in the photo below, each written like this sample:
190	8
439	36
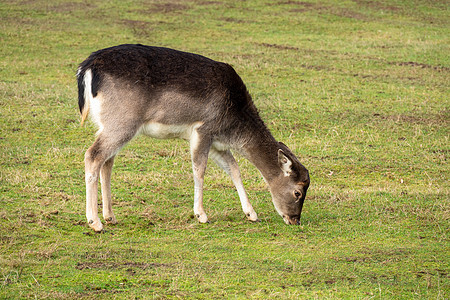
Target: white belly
163	131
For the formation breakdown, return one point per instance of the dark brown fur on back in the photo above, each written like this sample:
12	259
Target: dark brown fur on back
214	88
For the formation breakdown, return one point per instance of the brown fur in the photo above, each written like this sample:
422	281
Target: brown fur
165	93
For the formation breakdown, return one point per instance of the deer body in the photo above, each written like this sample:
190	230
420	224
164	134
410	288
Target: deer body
133	89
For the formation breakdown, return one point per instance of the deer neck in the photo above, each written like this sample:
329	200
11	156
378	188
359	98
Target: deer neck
262	151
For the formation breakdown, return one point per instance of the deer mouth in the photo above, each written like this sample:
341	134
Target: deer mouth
294	220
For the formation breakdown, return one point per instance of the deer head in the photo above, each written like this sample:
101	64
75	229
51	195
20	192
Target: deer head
289	188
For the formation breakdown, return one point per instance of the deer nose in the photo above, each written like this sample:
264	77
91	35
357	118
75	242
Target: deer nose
293	220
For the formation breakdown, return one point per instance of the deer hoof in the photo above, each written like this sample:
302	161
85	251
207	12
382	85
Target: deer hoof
251	216
96	225
202	218
111	220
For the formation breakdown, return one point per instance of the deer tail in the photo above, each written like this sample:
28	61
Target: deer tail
84	78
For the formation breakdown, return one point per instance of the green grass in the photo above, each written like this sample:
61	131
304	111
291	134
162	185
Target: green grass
359	89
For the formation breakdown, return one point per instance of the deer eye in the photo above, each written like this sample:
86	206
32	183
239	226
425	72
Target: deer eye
297	194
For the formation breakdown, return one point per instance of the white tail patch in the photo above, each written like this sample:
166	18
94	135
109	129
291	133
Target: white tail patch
92	105
87	81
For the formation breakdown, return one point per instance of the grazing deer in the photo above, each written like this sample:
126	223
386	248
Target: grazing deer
133	89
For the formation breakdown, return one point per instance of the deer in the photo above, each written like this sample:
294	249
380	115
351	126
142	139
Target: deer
133	89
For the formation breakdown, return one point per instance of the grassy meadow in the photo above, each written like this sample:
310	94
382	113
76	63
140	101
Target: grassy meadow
358	89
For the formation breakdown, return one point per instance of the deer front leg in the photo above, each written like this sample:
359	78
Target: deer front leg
226	161
200	146
105	179
199	211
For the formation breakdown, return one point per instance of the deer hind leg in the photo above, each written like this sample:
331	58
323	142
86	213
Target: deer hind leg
105	180
93	160
200	146
99	159
226	161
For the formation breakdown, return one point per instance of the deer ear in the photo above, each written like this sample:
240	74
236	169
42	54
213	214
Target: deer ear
282	144
285	163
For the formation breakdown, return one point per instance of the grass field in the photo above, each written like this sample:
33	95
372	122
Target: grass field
358	89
